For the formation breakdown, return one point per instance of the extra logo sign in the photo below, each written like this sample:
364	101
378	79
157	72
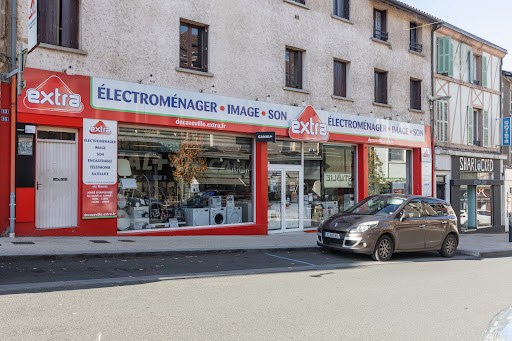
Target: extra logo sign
100	128
54	95
309	127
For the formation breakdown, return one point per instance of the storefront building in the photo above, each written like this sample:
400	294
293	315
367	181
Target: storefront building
105	157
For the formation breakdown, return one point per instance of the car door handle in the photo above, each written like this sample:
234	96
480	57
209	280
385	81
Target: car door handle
422	226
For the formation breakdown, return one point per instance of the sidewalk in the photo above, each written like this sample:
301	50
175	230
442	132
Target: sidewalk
478	245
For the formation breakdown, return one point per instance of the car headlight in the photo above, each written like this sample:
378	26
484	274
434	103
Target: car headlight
365	226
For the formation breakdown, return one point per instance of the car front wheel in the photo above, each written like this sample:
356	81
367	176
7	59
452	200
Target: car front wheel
449	246
383	249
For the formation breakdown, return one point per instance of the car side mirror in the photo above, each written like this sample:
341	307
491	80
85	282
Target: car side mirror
404	215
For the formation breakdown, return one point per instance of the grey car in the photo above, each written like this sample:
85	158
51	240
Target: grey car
384	224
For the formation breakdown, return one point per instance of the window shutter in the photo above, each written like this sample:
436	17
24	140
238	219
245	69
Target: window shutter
69	23
384	22
445	56
346	9
470	67
442	121
470	125
445	118
484	71
337	78
449	59
205	49
48	21
486	129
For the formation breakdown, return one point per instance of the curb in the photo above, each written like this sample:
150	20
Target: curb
486	254
148	253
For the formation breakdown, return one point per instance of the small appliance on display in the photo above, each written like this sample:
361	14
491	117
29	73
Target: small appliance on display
197	216
230	201
234	215
217	215
215	202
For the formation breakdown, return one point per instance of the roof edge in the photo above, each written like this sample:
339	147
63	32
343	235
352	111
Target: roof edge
472	36
413	10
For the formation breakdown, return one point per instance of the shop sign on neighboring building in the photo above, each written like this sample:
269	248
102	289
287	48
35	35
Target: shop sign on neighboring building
32	24
505	131
99	169
473	164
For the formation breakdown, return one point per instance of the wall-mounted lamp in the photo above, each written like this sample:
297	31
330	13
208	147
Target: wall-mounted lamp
268	98
303	103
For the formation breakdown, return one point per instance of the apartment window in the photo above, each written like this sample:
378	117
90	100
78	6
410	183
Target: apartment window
379	25
415	36
293	67
474	122
442	121
58	22
381	87
303	2
341	8
340	78
415	94
193	47
475	69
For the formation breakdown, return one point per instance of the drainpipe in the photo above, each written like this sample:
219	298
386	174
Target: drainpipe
432	111
12	202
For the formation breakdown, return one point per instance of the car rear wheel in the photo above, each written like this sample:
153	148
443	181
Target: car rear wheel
383	249
449	246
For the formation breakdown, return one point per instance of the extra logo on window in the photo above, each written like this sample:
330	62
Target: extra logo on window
309	127
53	94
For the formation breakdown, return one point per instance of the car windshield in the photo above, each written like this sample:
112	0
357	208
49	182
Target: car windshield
379	205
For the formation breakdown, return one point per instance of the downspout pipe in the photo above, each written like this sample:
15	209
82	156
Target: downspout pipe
432	110
12	197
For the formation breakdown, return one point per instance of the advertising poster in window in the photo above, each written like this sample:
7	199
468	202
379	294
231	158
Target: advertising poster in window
99	173
426	171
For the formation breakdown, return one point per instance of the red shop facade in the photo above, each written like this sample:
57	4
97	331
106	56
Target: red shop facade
101	157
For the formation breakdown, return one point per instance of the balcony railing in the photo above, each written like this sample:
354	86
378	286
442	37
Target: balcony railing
414	46
381	35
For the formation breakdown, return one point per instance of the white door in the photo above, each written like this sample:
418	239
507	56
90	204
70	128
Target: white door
286	199
56	178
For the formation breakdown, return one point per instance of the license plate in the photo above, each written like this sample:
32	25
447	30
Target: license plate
332	235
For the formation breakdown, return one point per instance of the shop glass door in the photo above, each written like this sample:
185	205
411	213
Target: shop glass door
285	198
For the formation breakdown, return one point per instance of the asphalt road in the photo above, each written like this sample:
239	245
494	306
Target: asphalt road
413	298
98	271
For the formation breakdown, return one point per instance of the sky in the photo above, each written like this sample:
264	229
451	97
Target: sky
490	19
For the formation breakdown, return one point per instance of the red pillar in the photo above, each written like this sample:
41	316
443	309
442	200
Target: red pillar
261	187
362	171
416	169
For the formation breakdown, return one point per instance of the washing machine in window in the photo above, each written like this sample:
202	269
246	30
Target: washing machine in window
217	215
197	216
234	215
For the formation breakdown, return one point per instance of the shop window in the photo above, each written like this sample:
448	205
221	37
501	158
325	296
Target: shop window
173	179
328	181
415	94
414	38
58	22
341	8
340	78
293	68
379	25
381	87
389	171
285	152
193	47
